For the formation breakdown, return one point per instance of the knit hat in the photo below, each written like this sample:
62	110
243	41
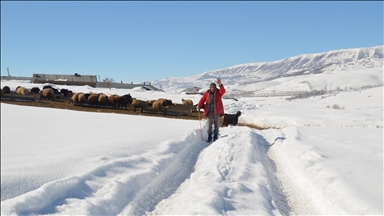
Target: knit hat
212	84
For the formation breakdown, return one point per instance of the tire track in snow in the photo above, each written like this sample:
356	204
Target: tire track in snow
233	176
167	182
279	197
128	186
260	154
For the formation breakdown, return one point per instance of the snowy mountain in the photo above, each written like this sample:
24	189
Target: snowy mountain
354	68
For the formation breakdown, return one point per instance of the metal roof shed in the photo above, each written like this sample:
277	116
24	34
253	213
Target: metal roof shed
75	79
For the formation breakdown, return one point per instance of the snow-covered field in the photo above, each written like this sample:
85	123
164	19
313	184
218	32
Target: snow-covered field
314	160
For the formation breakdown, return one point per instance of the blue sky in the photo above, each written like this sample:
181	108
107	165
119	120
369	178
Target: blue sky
133	41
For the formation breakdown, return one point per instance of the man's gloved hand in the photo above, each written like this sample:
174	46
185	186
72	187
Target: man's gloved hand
219	81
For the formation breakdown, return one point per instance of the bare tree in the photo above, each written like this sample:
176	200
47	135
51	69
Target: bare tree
108	82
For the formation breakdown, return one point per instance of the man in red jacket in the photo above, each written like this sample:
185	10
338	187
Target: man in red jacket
213	107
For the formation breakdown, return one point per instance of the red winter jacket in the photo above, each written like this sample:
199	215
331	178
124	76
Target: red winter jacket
219	108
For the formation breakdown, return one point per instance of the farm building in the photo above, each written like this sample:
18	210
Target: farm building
78	79
75	79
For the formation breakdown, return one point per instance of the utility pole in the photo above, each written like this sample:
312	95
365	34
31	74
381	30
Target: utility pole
8	71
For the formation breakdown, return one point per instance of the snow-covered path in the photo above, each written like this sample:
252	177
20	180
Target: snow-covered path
232	174
316	162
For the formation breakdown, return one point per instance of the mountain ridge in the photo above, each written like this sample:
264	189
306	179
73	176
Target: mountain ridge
332	62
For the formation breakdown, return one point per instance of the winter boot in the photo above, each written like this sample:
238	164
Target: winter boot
215	137
209	137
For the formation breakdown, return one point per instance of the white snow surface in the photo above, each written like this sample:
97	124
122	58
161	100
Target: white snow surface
313	159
